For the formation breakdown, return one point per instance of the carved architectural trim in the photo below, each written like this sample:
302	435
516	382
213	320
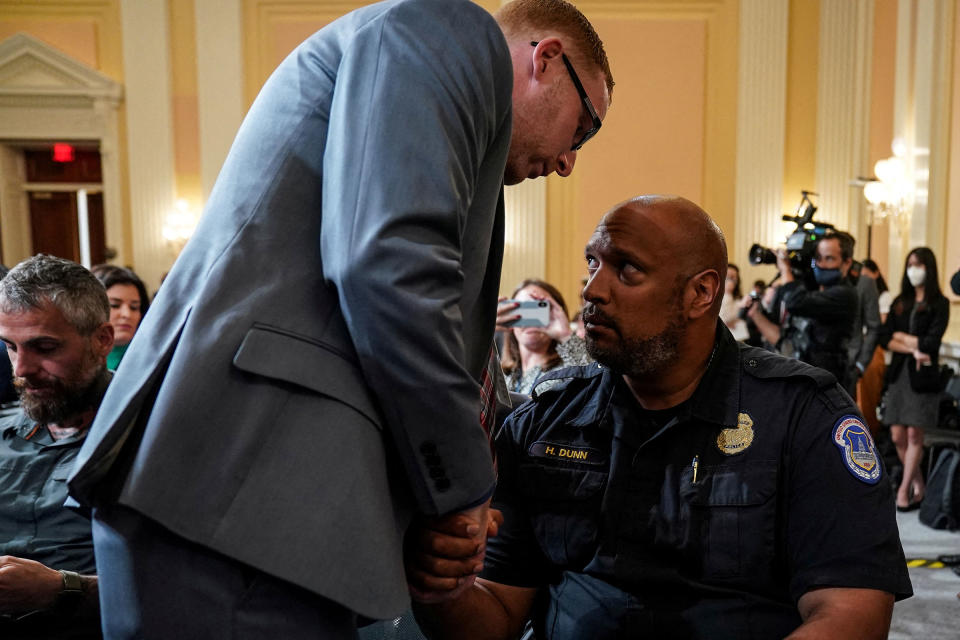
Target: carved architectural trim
46	95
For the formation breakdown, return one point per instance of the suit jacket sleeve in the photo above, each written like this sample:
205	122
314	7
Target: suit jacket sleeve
870	308
422	98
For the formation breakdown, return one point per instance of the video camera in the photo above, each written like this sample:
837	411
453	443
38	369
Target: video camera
801	244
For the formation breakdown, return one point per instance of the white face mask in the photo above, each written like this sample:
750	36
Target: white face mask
916	275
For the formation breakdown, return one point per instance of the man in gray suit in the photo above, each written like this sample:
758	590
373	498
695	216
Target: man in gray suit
309	375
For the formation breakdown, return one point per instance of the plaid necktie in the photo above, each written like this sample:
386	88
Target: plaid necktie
488	401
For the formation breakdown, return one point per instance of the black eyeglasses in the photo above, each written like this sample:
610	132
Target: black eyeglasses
586	103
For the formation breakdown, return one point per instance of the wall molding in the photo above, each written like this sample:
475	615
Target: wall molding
47	95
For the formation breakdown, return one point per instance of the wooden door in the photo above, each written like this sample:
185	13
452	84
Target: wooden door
54	228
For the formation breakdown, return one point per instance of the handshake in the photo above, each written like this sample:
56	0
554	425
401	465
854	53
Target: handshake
444	555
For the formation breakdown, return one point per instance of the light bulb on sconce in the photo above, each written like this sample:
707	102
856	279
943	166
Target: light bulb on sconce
179	226
889	193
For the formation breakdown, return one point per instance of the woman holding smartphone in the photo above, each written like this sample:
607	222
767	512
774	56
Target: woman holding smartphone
912	332
530	351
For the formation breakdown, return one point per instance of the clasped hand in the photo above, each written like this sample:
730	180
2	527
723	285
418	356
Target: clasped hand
443	556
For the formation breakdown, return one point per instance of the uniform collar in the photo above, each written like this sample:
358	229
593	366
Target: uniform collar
715	400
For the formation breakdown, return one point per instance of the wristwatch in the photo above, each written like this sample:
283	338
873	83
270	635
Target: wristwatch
72	591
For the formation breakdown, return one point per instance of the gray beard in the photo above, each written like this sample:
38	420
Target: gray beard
642	357
68	402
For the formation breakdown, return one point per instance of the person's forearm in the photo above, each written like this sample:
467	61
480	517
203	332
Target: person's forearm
898	346
475	615
768	329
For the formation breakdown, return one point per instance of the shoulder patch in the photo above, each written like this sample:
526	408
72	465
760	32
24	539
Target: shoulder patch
859	454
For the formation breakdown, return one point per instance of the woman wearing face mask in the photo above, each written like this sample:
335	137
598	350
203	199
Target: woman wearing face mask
912	332
128	302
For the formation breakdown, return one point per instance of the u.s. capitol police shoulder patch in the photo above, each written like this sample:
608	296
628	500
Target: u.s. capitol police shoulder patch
856	446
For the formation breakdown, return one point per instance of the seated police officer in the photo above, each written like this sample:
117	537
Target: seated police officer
684	487
54	321
821	320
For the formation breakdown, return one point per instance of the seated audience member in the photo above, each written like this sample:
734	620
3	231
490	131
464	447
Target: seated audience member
530	351
54	323
690	487
128	302
732	303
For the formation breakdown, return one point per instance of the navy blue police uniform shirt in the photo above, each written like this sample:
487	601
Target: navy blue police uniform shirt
708	520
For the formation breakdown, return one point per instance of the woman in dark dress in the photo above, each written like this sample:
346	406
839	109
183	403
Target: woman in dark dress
912	332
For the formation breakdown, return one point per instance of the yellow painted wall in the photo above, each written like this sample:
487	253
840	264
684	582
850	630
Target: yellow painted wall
671	129
183	85
800	145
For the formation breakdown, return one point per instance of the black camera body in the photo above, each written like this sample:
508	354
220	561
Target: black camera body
801	244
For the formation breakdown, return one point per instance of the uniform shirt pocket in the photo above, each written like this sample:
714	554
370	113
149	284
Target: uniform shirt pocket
564	507
733	516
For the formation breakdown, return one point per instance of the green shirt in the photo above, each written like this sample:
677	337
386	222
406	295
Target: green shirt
116	355
33	521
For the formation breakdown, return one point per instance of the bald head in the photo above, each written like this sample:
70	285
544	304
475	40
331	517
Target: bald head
682	233
686	231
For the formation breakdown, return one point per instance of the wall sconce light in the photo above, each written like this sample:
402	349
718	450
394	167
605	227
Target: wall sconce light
179	226
887	194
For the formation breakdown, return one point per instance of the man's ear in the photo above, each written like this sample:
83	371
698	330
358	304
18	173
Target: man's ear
103	339
703	289
545	52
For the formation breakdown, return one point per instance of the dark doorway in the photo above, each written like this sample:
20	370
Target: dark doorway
55	229
54	225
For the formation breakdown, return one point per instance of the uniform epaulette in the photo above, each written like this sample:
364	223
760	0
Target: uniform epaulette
764	364
558	379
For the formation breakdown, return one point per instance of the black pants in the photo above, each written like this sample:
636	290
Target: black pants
155	585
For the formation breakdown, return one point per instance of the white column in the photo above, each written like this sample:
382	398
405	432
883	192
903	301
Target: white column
922	122
219	83
843	113
146	63
115	222
761	118
525	251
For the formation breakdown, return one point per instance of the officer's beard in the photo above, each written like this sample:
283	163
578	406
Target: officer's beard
70	396
643	357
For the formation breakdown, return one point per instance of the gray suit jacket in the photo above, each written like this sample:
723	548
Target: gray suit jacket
866	324
280	403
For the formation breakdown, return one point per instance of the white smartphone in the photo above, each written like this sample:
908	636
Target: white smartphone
533	313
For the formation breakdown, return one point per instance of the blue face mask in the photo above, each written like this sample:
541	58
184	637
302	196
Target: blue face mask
826	277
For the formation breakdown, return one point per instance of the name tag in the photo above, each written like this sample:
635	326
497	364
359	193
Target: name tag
587	455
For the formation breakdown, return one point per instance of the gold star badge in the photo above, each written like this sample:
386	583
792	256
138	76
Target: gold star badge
733	441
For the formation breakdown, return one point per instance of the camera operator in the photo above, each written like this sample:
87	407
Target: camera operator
819	322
